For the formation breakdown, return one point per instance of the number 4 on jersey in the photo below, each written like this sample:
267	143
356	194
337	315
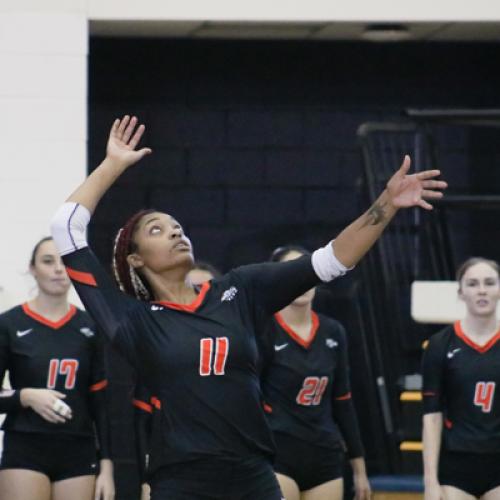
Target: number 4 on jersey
484	394
210	359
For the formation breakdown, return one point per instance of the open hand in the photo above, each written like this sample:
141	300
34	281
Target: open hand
123	139
406	190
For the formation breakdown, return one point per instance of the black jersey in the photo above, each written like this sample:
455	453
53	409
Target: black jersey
460	380
199	360
66	356
306	384
147	424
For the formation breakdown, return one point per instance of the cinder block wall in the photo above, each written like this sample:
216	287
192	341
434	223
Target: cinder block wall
254	144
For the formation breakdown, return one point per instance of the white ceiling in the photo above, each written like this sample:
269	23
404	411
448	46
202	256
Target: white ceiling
453	31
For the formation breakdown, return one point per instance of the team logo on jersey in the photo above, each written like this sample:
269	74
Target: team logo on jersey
331	343
87	332
154	307
451	354
22	333
229	294
280	347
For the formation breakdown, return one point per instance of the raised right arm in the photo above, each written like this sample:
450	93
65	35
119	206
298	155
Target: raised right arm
102	299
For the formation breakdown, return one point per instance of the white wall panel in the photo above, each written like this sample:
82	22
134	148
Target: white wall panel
43	163
39	32
296	10
43	126
47	6
33	75
47	119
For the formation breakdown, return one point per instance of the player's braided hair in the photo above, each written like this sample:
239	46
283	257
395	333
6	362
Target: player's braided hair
127	278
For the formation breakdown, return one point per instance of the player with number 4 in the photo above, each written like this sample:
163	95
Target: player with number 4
195	348
461	372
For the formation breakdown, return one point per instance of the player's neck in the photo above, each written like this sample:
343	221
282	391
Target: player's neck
52	307
297	316
177	291
481	328
172	286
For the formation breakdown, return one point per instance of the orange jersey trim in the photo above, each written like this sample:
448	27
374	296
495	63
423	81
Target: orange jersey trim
479	348
156	403
142	405
267	408
312	334
344	397
98	386
188	307
81	277
47	322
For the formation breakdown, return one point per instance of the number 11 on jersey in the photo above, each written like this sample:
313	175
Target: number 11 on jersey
213	359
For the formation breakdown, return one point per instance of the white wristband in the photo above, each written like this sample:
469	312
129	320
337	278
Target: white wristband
326	265
69	226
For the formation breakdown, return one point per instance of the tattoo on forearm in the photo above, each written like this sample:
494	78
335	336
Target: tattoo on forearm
376	215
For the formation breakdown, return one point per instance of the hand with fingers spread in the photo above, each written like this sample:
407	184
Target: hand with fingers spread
47	403
405	190
123	140
402	191
121	153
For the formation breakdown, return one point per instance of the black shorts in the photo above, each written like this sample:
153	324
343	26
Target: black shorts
58	457
474	473
306	464
216	479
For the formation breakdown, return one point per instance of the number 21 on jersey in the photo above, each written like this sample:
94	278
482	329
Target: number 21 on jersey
312	391
67	367
484	394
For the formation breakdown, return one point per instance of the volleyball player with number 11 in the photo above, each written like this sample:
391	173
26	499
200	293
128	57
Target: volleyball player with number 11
195	348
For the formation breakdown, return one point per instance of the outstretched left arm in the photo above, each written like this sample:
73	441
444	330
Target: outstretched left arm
276	284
